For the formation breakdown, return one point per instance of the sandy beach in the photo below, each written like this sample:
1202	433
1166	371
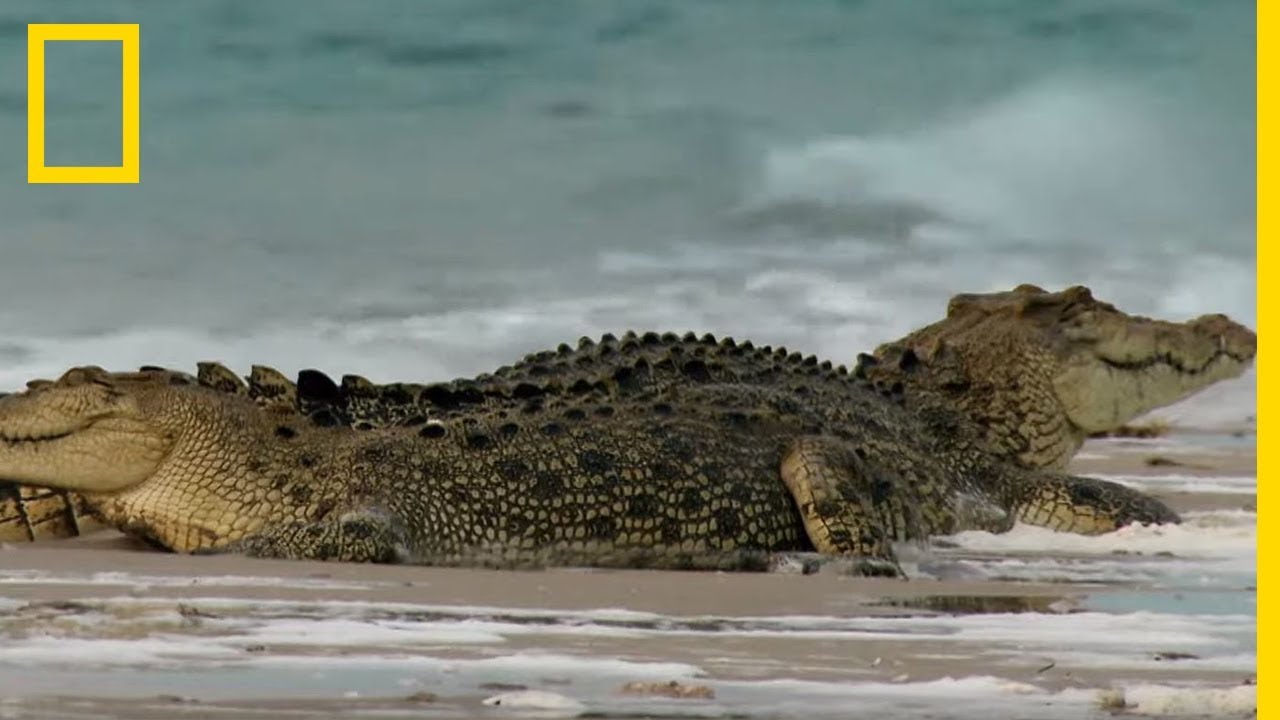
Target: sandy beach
1149	621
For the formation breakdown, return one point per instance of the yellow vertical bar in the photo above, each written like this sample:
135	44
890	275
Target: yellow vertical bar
129	103
1268	507
35	103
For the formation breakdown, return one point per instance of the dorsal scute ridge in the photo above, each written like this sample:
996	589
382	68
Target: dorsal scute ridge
221	378
637	365
271	389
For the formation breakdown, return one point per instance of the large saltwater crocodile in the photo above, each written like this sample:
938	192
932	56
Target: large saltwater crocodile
651	382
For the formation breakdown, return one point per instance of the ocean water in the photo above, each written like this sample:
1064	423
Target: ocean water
414	190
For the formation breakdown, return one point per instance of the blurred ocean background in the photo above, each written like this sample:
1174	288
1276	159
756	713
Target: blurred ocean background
415	190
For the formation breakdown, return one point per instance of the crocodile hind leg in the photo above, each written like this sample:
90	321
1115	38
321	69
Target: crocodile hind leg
850	506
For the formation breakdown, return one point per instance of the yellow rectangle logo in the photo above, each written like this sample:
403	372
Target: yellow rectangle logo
37	36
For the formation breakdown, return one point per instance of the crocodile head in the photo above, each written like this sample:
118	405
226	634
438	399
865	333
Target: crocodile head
91	430
1040	371
154	452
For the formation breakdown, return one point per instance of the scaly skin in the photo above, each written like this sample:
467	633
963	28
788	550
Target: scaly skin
1018	404
703	474
1039	372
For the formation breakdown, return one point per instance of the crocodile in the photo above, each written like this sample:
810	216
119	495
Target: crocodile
650	361
691	476
1037	371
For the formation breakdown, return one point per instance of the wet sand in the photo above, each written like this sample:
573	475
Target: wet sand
103	626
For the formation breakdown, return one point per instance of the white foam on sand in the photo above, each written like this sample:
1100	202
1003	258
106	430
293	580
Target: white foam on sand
977	696
560	664
1208	549
535	700
524	664
327	632
1203	535
1002	697
1130	639
1167	701
153	650
972	686
344	633
1225	484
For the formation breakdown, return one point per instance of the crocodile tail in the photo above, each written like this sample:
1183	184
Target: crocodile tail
1072	503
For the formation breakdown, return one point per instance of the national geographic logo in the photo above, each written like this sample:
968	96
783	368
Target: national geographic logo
127	36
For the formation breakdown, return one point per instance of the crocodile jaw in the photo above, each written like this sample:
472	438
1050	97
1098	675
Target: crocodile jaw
1137	367
78	433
